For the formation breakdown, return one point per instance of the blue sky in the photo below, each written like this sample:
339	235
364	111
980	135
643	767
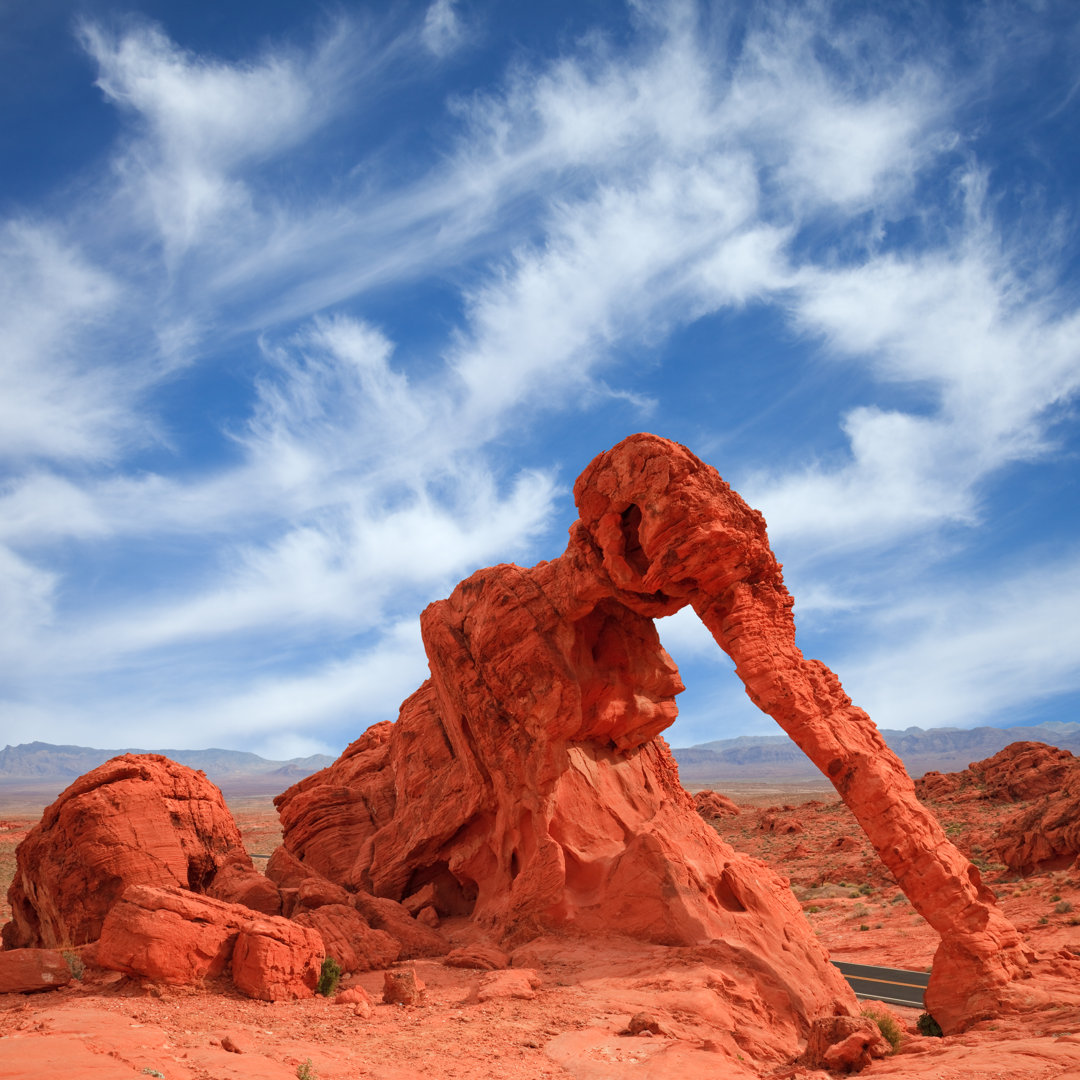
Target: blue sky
307	313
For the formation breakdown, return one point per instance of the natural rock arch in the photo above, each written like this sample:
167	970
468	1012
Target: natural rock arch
523	783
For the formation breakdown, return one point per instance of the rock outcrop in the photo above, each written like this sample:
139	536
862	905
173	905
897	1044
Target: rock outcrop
174	936
1045	835
1021	771
139	819
711	804
525	782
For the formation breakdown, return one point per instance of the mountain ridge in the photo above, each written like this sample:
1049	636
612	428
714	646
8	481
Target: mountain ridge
41	761
754	757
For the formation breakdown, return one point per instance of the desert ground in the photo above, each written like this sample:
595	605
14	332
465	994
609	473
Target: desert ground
564	1016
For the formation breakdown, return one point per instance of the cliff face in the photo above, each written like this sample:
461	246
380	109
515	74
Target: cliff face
525	784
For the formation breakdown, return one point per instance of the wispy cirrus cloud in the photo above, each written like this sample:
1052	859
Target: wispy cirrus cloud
573	216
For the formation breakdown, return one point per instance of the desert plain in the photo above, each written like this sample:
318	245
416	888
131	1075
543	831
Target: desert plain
566	1017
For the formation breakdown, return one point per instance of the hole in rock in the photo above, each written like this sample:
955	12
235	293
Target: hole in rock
631	531
200	872
515	865
726	895
452	897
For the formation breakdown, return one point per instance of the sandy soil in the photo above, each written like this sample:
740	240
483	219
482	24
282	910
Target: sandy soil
108	1026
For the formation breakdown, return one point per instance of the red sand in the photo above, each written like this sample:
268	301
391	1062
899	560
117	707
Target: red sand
112	1027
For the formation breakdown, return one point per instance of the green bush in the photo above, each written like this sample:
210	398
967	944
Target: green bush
927	1025
306	1071
1063	908
74	963
888	1027
329	977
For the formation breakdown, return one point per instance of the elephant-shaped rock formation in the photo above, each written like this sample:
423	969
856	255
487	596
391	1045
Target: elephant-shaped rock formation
525	783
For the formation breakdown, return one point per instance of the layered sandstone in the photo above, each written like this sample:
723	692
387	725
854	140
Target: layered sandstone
526	785
1020	771
1045	835
139	819
175	936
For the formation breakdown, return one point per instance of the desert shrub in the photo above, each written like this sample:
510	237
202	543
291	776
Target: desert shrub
863	926
329	977
859	911
888	1027
813	909
1043	921
74	963
927	1025
153	1072
899	898
306	1071
1056	896
1062	908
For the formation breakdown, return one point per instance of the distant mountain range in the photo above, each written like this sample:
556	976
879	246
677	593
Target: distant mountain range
746	758
40	762
776	757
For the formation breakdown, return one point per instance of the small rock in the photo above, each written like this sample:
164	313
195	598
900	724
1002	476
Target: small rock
235	1043
23	970
402	987
429	917
646	1023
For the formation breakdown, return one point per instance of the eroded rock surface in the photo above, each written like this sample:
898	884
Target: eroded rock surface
525	783
175	936
1021	771
139	819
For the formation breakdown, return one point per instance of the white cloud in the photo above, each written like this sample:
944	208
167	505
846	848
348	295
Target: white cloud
55	401
203	120
442	31
957	326
964	656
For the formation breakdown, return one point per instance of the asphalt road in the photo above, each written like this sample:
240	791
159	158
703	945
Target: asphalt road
894	986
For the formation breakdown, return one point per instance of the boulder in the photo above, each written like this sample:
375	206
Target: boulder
178	937
479	956
25	970
844	1044
403	987
139	819
237	883
711	804
277	960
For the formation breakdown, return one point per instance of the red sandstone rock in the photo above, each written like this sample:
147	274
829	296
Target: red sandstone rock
481	957
175	936
237	883
277	960
169	935
1045	836
520	983
24	970
711	804
415	939
402	987
138	819
349	939
844	1044
525	782
1021	771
